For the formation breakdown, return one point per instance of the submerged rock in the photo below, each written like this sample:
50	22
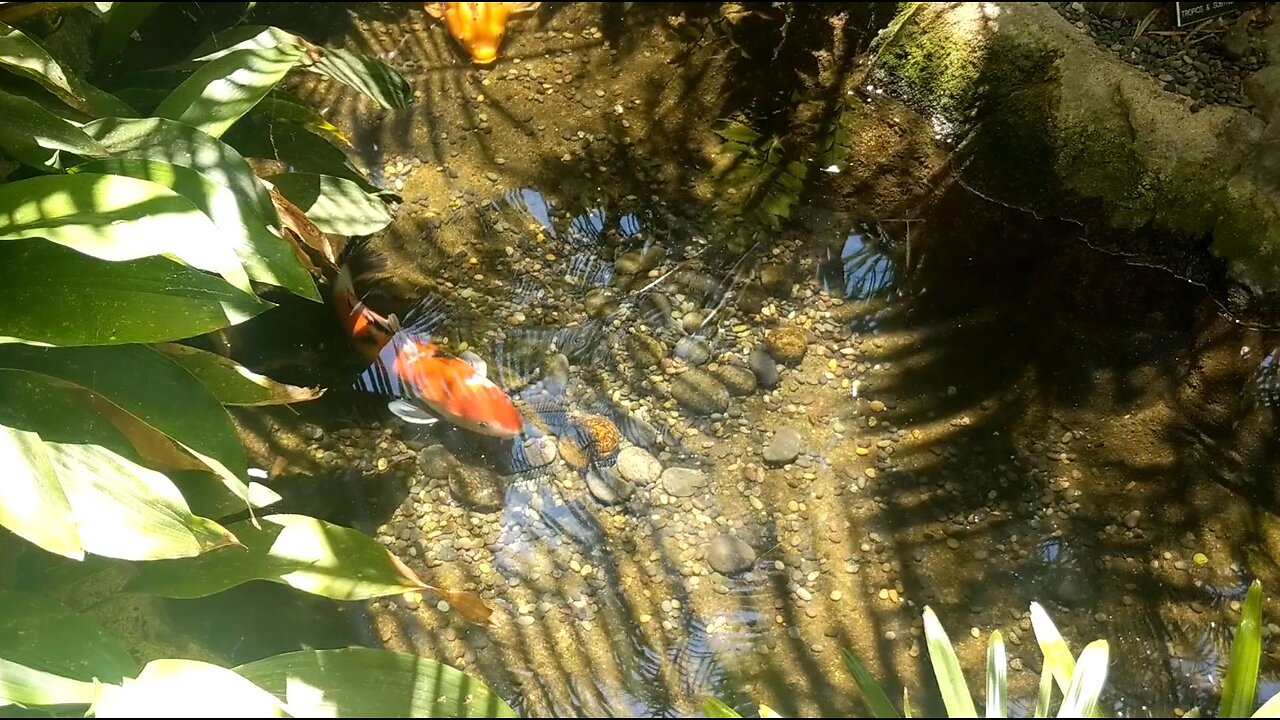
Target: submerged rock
699	392
608	486
683	482
640	261
787	344
784	447
646	351
739	380
730	555
436	462
764	367
476	488
638	466
693	350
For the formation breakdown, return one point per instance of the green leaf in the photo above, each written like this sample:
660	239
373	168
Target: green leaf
361	682
71	497
266	257
768	712
1240	685
122	19
113	217
222	90
276	139
714	708
997	676
1057	655
1045	694
946	669
245	37
281	107
906	704
69	644
25	686
27	58
208	497
35	136
369	75
175	688
334	204
1081	699
737	132
1269	709
871	691
152	388
57	296
232	383
305	553
179	144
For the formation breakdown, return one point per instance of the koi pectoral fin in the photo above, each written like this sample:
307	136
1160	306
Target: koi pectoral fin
411	413
477	364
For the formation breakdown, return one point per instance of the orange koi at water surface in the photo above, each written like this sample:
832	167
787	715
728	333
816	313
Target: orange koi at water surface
478	26
407	366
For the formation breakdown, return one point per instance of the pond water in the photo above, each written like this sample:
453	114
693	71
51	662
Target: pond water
749	447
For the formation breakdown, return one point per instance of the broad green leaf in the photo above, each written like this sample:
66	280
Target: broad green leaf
361	682
1057	655
261	136
222	90
737	132
768	712
369	75
178	688
1044	696
110	506
152	388
871	691
305	553
35	136
283	107
1086	684
39	634
208	497
1192	713
946	669
25	686
113	217
334	204
179	144
1240	685
266	257
1269	709
122	20
57	296
246	37
997	676
24	56
714	708
232	383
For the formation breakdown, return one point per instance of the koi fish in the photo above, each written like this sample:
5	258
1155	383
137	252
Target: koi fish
412	370
478	26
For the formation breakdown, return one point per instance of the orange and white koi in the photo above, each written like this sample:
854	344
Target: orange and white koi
412	369
478	26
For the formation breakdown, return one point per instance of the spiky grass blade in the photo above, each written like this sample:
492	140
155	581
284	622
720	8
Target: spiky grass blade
1240	686
997	676
871	691
946	669
1086	683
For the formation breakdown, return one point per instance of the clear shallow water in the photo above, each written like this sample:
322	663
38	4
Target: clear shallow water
982	405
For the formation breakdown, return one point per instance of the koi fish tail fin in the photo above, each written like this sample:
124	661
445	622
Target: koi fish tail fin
425	317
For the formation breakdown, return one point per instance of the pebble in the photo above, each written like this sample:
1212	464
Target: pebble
683	482
784	447
608	486
693	350
700	392
647	351
636	465
1132	519
477	488
764	367
436	462
539	452
738	380
729	555
788	344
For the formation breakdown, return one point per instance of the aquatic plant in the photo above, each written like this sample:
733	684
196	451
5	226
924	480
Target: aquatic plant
126	229
760	175
1080	680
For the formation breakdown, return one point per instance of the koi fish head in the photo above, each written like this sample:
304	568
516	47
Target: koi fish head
478	26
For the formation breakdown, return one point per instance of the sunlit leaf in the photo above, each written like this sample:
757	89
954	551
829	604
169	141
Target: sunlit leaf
69	644
997	676
1240	685
305	553
24	56
153	388
177	688
1269	709
280	107
946	669
34	135
874	695
179	144
122	20
1057	655
72	490
737	132
113	217
261	136
334	204
220	91
361	682
25	686
906	704
209	497
714	708
1086	684
266	257
234	384
1044	695
768	712
369	75
249	37
55	295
